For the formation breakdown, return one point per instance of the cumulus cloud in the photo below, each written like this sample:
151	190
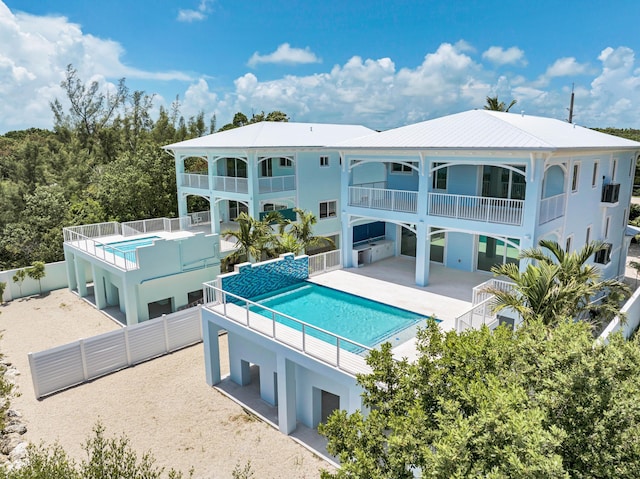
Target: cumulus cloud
501	56
562	67
34	54
285	54
197	15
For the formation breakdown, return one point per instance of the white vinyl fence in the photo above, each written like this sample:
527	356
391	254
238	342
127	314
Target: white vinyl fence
64	366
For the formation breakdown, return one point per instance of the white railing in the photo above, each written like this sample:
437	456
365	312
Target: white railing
372	184
96	230
552	208
324	262
384	199
480	314
132	228
194	180
480	292
312	341
200	217
268	184
230	184
127	260
477	208
84	360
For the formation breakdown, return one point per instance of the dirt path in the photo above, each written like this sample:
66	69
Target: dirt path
164	406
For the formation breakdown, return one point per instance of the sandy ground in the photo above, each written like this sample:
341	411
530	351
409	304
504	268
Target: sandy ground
163	406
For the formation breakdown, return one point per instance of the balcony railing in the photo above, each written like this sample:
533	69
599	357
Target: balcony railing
193	180
230	184
310	340
269	184
477	208
324	262
552	208
384	199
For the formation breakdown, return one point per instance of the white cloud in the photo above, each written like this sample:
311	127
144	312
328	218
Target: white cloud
201	13
285	54
562	67
500	56
34	54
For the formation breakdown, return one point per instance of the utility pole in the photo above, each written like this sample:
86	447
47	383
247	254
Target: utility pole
571	105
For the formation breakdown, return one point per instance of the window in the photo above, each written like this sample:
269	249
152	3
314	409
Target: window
328	209
588	235
614	167
604	255
574	178
286	162
594	178
266	168
567	246
400	168
606	226
324	161
439	177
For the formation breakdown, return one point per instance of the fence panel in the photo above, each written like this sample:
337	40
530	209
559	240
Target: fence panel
71	364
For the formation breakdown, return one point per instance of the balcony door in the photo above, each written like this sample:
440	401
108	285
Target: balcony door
498	182
235	208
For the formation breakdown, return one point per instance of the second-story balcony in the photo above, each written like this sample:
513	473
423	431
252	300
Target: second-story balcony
476	208
194	180
231	184
384	199
270	184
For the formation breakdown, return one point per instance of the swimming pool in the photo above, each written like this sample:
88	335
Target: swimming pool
125	249
358	319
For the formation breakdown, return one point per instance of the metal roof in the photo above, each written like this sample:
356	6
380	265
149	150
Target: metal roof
273	134
483	129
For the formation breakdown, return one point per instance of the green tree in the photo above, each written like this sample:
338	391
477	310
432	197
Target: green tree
254	238
3	285
18	277
106	458
499	404
560	285
496	105
302	231
36	272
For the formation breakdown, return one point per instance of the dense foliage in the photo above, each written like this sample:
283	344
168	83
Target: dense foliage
537	402
106	458
103	161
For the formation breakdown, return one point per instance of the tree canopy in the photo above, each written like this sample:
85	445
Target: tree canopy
496	404
496	105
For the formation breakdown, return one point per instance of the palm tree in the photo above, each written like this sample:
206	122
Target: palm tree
302	230
254	238
494	104
559	286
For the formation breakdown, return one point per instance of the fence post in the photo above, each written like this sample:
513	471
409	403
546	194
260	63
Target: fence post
126	344
34	376
84	360
166	332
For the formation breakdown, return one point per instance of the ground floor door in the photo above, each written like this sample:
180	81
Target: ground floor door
408	243
438	239
492	252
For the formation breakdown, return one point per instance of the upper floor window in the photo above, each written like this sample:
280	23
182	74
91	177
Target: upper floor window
614	167
575	177
266	168
588	235
439	177
286	162
594	177
400	168
328	209
607	222
567	246
324	161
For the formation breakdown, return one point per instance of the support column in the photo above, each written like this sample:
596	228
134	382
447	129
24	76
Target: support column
347	242
211	345
81	277
70	263
130	305
422	254
287	413
98	287
267	386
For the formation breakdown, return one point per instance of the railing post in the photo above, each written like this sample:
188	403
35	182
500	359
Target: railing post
338	353
273	323
304	344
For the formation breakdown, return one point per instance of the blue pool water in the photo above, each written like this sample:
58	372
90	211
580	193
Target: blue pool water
361	320
121	248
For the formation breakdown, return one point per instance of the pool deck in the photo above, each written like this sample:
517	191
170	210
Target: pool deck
392	281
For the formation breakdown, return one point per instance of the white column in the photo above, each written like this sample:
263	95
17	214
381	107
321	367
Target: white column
98	287
211	351
287	413
422	254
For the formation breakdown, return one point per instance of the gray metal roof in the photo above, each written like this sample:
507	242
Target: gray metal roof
483	129
272	134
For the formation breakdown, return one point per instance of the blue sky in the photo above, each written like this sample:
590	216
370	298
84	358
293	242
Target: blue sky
378	63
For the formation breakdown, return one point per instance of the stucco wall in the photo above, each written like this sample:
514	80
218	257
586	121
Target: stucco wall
55	278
